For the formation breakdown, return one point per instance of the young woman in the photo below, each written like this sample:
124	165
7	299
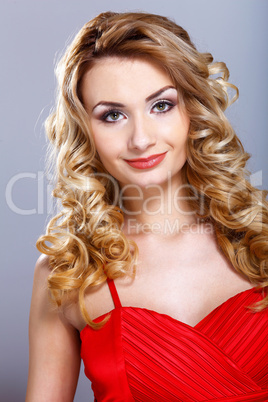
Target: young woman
157	260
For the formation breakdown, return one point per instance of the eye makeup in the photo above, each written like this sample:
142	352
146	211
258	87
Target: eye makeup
115	115
111	112
162	106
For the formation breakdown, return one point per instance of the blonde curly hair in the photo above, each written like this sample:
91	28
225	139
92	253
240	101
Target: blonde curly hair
86	235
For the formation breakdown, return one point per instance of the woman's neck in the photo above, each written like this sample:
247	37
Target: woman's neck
157	209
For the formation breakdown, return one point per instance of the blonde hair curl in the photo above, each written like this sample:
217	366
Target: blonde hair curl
86	235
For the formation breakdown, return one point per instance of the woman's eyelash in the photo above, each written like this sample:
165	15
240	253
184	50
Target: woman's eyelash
166	105
109	113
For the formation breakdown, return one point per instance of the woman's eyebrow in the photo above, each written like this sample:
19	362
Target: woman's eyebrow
107	103
149	98
159	92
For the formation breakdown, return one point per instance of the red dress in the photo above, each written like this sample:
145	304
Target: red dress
141	355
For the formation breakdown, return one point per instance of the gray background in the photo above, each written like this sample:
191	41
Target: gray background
33	34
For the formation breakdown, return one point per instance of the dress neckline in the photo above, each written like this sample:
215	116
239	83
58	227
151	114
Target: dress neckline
155	313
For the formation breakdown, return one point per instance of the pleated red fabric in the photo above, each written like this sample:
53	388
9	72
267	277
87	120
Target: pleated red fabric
141	355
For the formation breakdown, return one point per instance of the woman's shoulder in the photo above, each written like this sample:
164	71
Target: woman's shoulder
42	269
42	263
97	299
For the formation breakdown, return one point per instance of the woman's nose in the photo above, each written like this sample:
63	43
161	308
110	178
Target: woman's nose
142	135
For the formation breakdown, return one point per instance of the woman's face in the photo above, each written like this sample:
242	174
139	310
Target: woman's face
137	123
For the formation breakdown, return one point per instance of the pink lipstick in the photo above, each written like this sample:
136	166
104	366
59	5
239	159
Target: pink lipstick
146	163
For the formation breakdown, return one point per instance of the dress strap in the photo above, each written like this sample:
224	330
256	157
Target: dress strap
114	293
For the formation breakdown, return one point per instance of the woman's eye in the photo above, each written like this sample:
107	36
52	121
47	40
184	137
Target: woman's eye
112	116
162	106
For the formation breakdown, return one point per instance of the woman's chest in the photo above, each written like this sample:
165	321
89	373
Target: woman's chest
185	280
182	283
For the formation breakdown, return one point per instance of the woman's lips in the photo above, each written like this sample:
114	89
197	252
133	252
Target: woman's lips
146	163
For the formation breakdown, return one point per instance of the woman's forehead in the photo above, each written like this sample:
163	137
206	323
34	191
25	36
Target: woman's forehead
118	77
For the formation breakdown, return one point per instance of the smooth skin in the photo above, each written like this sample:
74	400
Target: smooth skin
134	112
54	346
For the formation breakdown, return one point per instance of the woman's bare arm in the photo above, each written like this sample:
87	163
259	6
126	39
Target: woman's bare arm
54	347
